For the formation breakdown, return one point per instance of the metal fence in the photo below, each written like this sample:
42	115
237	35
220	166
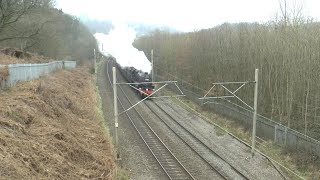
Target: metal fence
266	128
27	72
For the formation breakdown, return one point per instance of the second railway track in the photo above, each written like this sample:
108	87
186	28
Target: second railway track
212	158
168	162
172	167
170	135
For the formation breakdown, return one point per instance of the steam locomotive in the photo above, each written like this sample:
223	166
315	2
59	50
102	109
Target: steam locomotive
143	82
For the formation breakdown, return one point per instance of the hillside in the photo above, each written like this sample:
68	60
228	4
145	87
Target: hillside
105	26
36	26
287	59
51	129
16	56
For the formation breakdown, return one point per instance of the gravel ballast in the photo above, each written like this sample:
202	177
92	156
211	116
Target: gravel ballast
137	159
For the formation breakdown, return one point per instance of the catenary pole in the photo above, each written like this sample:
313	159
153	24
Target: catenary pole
255	111
152	75
115	103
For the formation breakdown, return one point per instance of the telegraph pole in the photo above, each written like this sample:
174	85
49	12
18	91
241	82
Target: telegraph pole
255	111
115	103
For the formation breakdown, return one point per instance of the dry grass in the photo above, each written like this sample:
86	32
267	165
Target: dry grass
51	129
15	56
4	73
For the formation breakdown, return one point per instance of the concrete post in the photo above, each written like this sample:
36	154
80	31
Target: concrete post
152	76
115	103
255	111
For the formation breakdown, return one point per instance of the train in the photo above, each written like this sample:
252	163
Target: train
142	80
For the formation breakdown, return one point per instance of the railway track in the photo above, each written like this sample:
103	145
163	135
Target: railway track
212	158
165	158
168	162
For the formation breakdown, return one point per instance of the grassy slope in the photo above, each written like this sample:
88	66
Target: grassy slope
51	129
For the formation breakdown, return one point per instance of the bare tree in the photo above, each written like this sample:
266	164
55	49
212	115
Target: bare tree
13	11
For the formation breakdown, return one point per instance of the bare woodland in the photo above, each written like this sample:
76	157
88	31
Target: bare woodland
36	26
286	51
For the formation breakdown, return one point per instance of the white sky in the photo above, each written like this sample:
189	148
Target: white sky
184	15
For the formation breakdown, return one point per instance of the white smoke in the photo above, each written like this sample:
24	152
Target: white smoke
118	43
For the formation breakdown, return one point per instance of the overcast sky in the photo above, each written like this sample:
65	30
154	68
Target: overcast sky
184	15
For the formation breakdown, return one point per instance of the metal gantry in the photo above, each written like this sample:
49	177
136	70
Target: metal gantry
232	94
117	114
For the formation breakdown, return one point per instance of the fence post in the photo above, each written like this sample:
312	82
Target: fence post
31	73
25	72
9	81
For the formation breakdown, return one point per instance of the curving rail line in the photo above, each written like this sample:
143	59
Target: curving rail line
168	162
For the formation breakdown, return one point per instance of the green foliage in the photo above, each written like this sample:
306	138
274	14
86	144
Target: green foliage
287	58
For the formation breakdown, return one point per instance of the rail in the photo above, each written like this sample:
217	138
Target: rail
168	162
